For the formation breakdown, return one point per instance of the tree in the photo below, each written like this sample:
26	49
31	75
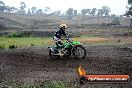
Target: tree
75	12
22	7
89	10
2	6
11	9
29	11
100	12
57	13
39	11
129	12
47	9
69	12
93	11
85	11
106	10
33	10
130	2
2	3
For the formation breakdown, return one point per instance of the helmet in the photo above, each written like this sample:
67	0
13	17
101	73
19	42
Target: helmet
63	26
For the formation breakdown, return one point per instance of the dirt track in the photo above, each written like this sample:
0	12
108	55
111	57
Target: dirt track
33	64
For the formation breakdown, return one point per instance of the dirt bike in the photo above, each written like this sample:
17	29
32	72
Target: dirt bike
70	48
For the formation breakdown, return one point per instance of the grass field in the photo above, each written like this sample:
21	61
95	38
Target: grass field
25	42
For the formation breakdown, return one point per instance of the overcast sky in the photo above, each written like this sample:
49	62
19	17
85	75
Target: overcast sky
117	6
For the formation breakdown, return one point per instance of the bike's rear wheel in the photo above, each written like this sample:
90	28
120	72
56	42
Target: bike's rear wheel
51	54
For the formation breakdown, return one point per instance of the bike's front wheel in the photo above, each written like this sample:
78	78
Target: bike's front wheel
79	52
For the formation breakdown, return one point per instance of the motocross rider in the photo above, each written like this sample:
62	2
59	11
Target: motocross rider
58	34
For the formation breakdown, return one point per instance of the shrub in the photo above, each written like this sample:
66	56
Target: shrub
32	44
18	34
13	34
12	46
2	46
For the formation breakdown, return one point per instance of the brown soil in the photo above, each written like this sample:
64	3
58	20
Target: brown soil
34	64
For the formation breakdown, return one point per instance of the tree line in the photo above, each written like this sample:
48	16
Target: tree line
104	11
129	8
129	11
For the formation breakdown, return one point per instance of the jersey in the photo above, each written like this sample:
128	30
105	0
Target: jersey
59	33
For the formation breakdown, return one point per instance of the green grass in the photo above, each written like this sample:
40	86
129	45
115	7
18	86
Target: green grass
2	46
25	42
